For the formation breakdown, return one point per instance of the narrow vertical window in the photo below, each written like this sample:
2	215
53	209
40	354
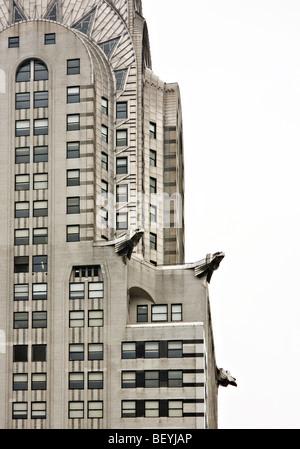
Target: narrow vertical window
104	161
104	105
104	133
153	158
152	130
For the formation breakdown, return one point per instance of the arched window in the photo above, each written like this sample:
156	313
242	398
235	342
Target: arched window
32	69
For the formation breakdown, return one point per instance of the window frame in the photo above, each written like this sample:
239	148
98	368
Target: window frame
175	352
22	322
26	209
122	169
72	237
73	180
152	130
76	318
77	384
73	70
39	353
40	157
24	239
128	354
128	383
39	294
73	94
122	197
22	131
95	384
40	127
73	208
123	224
152	353
122	110
153	158
76	355
40	322
141	314
40	236
121	138
93	354
156	315
128	412
49	38
41	102
35	264
40	181
73	153
24	294
14	42
21	103
73	125
44	210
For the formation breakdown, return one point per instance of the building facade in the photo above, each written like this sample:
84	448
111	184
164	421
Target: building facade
102	324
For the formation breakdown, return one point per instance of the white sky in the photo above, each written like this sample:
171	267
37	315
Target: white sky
238	66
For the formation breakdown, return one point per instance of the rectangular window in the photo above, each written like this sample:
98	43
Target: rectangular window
22	128
176	312
40	153
39	320
152	130
128	379
153	213
76	381
104	189
39	353
153	241
128	409
21	292
95	351
20	353
73	94
151	379
122	193
40	236
40	99
23	100
22	155
40	181
76	318
19	410
104	217
40	208
22	209
95	380
39	381
121	138
21	320
22	237
142	314
175	409
73	150
40	127
40	71
151	409
128	350
73	233
39	264
76	352
122	166
76	409
76	290
73	205
122	221
104	161
151	349
95	409
159	313
153	185
21	264
39	291
73	178
13	42
104	133
73	66
121	110
174	349
153	158
95	318
104	105
175	378
73	122
49	39
20	382
95	290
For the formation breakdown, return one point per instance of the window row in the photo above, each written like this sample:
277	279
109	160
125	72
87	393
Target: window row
14	42
40	181
40	235
152	409
36	69
40	154
40	100
77	290
159	313
39	319
76	410
77	351
39	291
152	349
40	127
39	381
39	209
152	379
38	353
39	264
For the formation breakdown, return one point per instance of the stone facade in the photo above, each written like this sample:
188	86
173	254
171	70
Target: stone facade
101	325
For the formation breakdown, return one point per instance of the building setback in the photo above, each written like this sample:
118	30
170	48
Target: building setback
102	324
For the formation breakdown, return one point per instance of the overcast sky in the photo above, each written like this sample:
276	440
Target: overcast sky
238	66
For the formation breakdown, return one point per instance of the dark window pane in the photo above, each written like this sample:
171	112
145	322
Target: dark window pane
73	150
73	66
122	110
22	209
21	264
41	99
73	205
13	42
49	38
23	72
39	264
23	100
40	154
40	71
73	94
39	353
22	155
121	165
20	353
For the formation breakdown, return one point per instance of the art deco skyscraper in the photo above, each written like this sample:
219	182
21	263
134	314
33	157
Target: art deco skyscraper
102	324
